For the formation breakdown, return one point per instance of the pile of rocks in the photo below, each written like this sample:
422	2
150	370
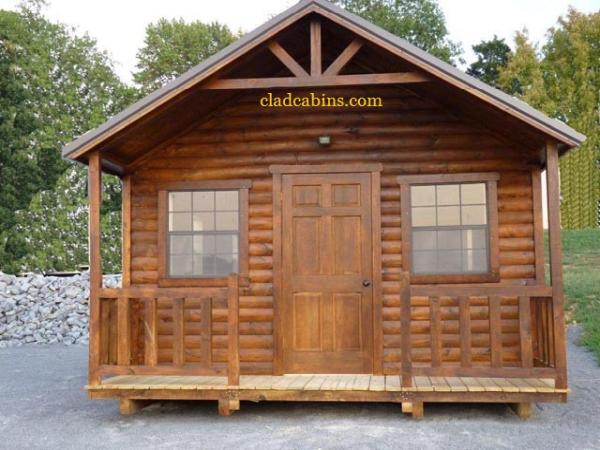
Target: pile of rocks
45	310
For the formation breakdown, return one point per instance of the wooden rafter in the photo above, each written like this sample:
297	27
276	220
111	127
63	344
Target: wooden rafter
287	59
338	80
315	49
344	58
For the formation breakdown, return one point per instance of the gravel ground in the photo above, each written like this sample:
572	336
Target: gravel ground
43	405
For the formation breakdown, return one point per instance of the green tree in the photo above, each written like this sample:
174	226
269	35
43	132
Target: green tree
54	86
563	80
491	56
421	22
53	230
171	47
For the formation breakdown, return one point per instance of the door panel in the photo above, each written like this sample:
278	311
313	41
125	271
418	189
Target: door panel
327	254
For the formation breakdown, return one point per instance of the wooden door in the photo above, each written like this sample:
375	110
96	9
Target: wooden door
327	270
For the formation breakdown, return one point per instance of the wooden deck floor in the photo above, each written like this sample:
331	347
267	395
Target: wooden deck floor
332	383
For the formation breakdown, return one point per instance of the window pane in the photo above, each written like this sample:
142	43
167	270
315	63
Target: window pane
181	245
449	240
226	264
204	244
423	217
475	239
204	265
424	262
449	261
475	261
204	221
424	240
474	215
180	201
449	215
448	194
180	222
422	195
180	265
473	194
227	201
204	200
227	243
227	221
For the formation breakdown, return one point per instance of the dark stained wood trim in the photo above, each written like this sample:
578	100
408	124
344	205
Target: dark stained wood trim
458	278
277	276
178	331
95	260
465	331
377	273
494	236
495	331
233	332
317	81
344	58
325	168
435	329
162	233
553	192
538	225
525	336
405	321
479	177
204	184
316	51
155	292
287	60
406	224
126	231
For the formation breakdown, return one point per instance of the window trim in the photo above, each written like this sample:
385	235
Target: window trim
243	186
491	181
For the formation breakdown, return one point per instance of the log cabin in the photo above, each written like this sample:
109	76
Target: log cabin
384	247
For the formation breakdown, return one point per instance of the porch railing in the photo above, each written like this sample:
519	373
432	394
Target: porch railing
537	343
131	318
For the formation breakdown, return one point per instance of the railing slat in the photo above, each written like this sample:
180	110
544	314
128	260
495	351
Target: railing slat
178	336
525	332
405	321
150	335
123	331
495	331
436	332
465	331
233	362
206	331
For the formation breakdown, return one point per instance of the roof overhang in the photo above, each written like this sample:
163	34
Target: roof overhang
555	130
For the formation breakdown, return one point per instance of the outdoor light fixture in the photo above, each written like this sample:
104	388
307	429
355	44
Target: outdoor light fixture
325	140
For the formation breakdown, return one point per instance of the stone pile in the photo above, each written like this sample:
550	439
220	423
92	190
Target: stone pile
35	309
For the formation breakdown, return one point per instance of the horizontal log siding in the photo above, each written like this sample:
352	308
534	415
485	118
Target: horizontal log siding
408	136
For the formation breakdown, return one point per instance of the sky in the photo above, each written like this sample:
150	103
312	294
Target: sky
118	25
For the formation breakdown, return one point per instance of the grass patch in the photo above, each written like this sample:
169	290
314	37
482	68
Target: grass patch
581	262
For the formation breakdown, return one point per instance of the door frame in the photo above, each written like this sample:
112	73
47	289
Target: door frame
374	169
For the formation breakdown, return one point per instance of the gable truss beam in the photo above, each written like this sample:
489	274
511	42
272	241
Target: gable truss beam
287	59
344	58
316	54
337	80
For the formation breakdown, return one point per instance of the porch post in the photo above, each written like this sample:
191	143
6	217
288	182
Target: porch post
553	193
95	261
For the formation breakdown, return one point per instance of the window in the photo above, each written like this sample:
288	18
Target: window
449	228
203	233
203	229
452	235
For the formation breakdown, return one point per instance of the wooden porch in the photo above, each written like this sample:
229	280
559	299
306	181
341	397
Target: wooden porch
356	388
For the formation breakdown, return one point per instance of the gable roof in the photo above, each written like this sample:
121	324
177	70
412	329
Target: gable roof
520	110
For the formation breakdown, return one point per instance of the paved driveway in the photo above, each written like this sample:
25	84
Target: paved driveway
43	405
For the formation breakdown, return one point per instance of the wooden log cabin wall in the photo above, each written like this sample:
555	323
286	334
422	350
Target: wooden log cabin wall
325	202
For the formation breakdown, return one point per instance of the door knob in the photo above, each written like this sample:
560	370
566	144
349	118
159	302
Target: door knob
366	283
